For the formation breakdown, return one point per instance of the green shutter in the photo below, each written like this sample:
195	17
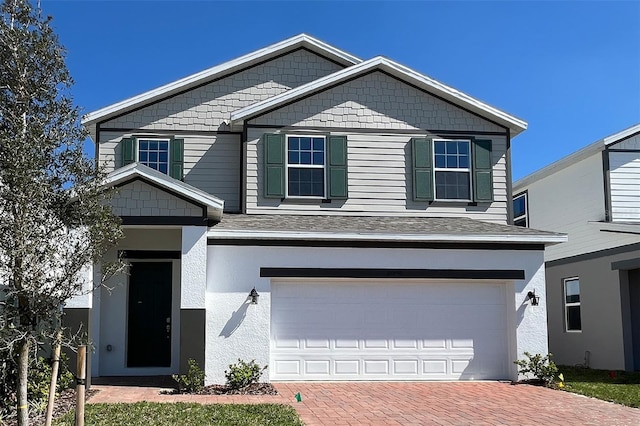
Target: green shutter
422	169
127	151
176	168
337	167
274	166
482	171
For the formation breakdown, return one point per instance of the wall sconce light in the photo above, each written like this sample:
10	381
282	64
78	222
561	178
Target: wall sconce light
254	296
535	300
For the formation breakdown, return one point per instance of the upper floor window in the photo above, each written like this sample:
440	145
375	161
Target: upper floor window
520	216
154	153
166	155
572	304
306	166
452	169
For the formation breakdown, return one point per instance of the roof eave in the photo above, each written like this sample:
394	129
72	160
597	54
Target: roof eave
546	239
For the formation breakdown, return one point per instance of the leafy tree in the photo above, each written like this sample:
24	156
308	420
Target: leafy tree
54	215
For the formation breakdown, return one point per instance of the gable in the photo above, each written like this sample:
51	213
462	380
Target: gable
206	107
630	142
376	100
138	198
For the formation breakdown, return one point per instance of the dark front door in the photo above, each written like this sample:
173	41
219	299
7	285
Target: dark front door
149	324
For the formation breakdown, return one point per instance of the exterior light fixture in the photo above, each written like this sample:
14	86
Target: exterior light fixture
254	296
535	300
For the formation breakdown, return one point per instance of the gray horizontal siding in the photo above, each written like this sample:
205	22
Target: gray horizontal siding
376	186
211	163
205	108
625	186
572	201
376	101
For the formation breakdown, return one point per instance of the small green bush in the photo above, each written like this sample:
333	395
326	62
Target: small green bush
193	381
540	367
243	374
40	380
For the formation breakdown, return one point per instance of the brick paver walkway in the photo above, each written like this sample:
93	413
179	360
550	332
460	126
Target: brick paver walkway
451	403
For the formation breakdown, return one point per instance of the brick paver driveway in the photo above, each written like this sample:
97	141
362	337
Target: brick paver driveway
451	403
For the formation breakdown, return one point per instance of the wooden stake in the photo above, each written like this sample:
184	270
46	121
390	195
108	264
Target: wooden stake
54	379
81	381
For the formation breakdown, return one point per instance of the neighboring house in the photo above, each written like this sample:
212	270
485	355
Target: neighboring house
593	281
365	203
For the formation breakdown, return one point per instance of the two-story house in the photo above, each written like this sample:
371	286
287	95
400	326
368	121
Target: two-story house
593	280
334	218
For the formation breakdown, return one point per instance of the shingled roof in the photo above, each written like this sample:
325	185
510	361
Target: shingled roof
375	228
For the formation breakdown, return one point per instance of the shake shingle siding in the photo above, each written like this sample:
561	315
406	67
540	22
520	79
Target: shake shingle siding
206	107
141	199
376	101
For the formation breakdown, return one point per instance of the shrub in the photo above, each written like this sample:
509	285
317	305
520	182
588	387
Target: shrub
193	381
541	367
243	374
38	383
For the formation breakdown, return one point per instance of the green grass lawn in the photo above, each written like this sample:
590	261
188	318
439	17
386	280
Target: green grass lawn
623	388
178	414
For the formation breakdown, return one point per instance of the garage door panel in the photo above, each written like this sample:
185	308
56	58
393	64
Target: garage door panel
397	332
347	367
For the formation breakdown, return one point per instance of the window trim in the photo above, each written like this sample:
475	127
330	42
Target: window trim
565	304
468	170
524	216
305	166
158	139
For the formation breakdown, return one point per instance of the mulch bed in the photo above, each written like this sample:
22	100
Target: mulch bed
252	389
64	403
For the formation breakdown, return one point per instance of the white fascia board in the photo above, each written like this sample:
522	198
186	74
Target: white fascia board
609	140
515	124
215	205
333	236
301	40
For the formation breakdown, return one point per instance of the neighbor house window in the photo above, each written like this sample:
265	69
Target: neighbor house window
306	166
154	153
452	169
572	304
520	210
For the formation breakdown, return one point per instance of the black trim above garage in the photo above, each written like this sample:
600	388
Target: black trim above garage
374	244
473	274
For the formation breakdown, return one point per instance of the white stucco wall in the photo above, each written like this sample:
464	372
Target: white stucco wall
235	329
193	271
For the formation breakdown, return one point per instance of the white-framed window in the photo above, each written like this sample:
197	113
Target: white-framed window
452	169
520	216
154	153
572	315
306	166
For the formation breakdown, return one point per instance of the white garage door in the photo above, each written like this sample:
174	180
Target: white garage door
388	331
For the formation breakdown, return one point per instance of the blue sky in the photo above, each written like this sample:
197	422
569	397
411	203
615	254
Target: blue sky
570	69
